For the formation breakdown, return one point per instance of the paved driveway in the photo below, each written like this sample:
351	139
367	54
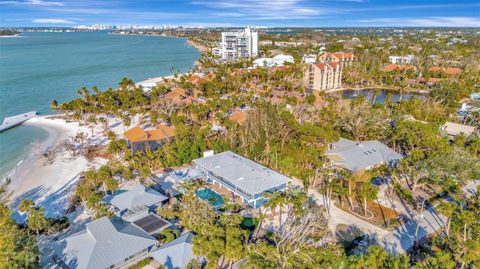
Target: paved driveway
399	240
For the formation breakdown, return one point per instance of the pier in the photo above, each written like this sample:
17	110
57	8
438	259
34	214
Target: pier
13	121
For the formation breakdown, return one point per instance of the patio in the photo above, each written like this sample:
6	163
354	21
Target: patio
225	193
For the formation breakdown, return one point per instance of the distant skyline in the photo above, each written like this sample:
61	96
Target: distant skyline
301	13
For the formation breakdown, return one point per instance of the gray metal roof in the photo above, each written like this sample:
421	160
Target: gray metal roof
241	172
102	244
175	254
137	197
356	156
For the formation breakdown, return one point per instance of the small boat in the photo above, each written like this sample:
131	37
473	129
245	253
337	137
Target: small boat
13	121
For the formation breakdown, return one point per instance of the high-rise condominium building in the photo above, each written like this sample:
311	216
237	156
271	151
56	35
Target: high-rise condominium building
324	76
241	44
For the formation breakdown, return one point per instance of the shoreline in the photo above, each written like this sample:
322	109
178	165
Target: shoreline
189	42
156	80
47	184
6	36
197	46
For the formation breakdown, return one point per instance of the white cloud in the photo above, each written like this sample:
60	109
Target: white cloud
33	3
264	10
43	3
53	21
424	22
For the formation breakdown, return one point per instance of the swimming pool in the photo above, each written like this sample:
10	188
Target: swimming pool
211	196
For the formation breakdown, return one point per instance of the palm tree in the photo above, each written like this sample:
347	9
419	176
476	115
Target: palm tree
368	193
26	205
37	220
447	210
275	199
54	105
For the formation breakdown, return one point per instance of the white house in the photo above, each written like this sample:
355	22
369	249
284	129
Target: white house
104	244
278	60
263	62
309	58
408	59
281	59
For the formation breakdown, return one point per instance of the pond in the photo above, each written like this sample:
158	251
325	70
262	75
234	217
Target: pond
378	96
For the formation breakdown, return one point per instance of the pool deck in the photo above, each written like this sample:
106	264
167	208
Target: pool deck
225	193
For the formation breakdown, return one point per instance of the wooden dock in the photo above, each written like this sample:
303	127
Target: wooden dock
13	121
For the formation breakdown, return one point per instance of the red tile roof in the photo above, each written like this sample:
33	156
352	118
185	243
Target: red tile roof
446	70
238	117
344	55
329	65
175	93
452	70
195	79
393	67
137	134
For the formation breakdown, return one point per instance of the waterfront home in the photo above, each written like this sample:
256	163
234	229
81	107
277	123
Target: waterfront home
452	129
245	178
175	94
140	139
104	244
176	254
358	156
195	79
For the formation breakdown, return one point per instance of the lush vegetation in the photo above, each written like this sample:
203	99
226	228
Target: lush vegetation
288	129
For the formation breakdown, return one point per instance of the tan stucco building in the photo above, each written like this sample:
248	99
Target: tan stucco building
324	76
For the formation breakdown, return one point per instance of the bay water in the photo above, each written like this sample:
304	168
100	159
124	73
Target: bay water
36	68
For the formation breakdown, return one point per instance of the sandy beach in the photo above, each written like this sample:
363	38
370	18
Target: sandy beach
49	184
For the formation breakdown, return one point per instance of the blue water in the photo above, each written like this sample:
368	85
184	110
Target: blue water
379	96
210	196
38	67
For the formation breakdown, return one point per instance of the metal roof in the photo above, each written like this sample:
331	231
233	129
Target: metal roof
103	243
455	129
175	254
137	197
241	172
356	156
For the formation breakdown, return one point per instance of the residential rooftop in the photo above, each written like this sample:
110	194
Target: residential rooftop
137	197
242	173
357	156
175	254
137	134
102	244
454	129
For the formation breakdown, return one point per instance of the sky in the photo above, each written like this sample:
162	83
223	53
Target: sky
225	13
